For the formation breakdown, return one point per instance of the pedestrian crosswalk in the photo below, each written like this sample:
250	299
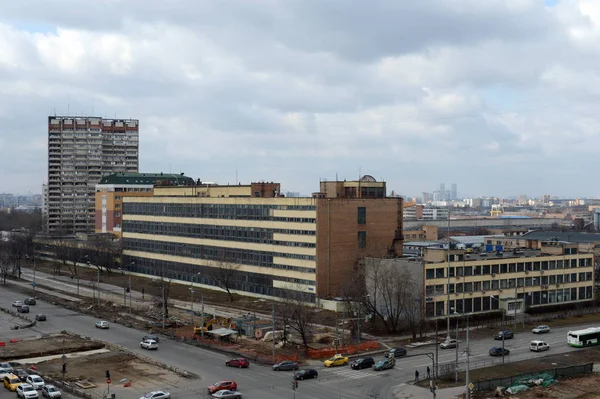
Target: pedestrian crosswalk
351	374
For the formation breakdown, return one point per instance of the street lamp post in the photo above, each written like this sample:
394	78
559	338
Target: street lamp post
34	268
467	377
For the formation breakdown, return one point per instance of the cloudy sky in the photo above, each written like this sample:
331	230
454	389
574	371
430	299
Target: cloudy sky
499	96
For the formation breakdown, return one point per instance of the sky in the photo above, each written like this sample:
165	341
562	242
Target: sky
501	97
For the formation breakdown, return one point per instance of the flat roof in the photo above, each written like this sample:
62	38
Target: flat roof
566	236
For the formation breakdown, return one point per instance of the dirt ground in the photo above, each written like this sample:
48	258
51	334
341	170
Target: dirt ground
144	377
574	388
53	345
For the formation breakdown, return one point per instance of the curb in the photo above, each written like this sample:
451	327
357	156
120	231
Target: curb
115	347
11	312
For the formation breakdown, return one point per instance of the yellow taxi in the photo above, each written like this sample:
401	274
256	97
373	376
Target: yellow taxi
11	382
336	360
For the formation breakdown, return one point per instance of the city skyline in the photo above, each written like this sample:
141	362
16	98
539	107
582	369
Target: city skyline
481	99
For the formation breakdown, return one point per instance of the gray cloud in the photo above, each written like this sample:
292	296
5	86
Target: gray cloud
414	92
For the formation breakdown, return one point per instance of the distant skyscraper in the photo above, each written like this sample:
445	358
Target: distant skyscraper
454	194
80	151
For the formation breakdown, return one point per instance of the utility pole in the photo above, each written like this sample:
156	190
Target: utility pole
467	377
202	305
502	346
129	285
192	302
448	284
456	366
164	305
515	302
34	275
435	370
273	330
98	269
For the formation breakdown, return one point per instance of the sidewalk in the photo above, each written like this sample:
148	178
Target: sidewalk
406	391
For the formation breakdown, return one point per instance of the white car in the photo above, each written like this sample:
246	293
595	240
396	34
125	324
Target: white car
102	324
449	344
538	346
6	365
156	395
35	380
16	304
51	392
541	329
226	394
4	372
149	344
26	391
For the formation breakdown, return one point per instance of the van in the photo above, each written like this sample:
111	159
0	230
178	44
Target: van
538	346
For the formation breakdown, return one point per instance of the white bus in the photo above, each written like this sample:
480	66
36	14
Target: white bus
581	338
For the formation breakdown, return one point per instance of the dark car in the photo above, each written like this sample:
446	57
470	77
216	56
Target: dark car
29	301
497	351
238	362
40	317
384	364
396	352
22	374
362	363
152	337
23	309
306	374
285	365
507	334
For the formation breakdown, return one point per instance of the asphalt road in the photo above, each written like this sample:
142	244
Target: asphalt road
260	381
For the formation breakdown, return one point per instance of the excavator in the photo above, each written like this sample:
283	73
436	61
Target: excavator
213	323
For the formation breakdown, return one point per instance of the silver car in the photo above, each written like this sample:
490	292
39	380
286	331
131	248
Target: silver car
35	380
26	391
225	394
51	392
156	395
102	324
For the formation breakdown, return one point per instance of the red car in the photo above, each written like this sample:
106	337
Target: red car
238	362
221	385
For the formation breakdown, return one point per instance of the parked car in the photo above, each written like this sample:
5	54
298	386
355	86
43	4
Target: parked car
153	337
285	365
506	334
23	309
452	343
35	380
26	391
336	360
22	374
51	392
222	385
541	329
40	317
538	346
16	304
11	382
156	395
227	394
15	364
384	364
396	352
362	363
497	351
306	374
30	301
102	324
238	362
5	365
4	372
149	344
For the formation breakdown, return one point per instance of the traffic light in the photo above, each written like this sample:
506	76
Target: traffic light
64	368
296	381
107	374
294	385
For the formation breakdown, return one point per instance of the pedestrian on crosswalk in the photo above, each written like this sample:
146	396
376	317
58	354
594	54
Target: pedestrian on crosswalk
428	373
416	375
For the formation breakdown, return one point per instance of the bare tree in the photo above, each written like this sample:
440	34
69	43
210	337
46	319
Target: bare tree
224	276
390	292
161	295
5	259
298	316
104	254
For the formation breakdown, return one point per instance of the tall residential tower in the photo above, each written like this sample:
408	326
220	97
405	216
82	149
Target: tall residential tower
81	150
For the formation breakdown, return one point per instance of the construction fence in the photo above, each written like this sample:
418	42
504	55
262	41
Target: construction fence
558	372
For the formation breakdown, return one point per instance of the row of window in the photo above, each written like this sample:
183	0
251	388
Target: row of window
235	255
508	283
481	270
212	232
241	281
213	211
486	303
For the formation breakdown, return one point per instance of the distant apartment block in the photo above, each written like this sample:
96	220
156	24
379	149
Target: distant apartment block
111	190
81	150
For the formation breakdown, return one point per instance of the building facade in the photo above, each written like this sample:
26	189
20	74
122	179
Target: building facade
272	246
111	190
365	187
80	151
505	280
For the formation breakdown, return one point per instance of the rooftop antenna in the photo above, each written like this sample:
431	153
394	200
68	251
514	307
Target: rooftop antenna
448	284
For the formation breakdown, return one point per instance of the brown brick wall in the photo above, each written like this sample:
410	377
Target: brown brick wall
337	237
